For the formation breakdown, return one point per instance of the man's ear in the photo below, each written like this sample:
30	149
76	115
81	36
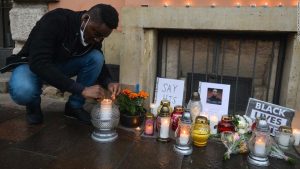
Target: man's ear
85	17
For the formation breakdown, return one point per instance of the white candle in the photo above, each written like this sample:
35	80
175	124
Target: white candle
106	103
164	127
284	139
260	147
153	109
106	109
213	124
138	129
205	114
184	137
296	134
195	111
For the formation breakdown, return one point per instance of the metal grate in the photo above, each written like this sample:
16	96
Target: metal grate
250	62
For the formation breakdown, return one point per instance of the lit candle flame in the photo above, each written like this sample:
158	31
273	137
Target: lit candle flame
188	4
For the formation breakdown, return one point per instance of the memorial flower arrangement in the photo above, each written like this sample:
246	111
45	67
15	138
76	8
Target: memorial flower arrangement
131	103
236	142
278	153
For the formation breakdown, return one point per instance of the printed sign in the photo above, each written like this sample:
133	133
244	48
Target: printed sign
214	99
275	115
169	89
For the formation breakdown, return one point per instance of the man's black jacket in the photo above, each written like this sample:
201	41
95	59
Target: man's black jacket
55	39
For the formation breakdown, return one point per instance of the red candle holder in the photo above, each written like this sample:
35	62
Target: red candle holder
175	116
226	124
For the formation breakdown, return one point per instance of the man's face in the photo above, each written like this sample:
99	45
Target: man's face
215	92
95	32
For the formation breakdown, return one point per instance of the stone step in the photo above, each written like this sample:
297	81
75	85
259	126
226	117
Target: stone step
47	90
4	78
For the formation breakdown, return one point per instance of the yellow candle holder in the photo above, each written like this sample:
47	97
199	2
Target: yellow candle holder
200	131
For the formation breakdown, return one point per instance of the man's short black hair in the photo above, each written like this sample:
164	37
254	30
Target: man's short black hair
105	13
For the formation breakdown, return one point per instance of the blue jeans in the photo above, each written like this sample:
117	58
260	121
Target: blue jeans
25	87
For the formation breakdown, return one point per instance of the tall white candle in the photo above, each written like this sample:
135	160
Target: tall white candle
284	139
106	109
195	111
205	114
296	134
213	123
153	109
260	147
184	137
164	127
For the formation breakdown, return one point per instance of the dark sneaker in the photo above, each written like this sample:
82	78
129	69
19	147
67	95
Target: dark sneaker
34	115
80	114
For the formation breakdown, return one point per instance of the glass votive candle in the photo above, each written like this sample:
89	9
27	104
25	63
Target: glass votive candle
175	116
226	124
149	124
296	133
200	132
213	123
164	127
260	144
284	137
183	135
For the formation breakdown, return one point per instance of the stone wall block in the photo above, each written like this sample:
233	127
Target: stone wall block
23	17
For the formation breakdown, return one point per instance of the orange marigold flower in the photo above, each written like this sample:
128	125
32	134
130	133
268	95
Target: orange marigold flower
133	95
143	94
126	91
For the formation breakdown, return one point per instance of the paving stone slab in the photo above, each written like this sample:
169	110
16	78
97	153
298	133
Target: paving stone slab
87	153
12	158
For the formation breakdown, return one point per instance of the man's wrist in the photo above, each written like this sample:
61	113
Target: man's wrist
77	88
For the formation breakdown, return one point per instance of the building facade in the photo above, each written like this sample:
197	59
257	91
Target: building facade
250	44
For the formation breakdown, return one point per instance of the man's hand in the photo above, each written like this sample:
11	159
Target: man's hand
93	92
115	89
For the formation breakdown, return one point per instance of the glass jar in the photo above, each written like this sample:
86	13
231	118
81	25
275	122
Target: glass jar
105	118
175	116
284	137
165	103
226	124
183	135
194	105
164	127
200	132
149	124
260	144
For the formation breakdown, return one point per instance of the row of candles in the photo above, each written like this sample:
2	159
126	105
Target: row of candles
190	127
185	133
285	136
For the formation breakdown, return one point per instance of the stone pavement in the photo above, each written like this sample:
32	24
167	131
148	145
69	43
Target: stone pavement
65	143
62	143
